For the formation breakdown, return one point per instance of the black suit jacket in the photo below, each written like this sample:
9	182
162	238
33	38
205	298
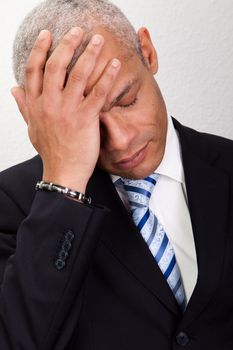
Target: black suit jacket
81	277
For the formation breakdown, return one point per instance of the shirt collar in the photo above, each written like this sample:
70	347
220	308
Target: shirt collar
171	164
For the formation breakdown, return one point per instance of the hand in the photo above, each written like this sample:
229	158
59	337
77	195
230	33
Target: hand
63	125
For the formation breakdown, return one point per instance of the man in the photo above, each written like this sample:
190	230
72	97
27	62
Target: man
148	263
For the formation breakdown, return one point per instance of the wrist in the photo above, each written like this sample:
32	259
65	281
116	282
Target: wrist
77	184
68	192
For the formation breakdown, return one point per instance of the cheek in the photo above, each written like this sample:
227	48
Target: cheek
151	115
146	123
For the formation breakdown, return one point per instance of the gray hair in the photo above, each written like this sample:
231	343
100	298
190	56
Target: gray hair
59	16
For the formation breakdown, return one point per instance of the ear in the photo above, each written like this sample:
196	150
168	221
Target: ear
20	98
148	50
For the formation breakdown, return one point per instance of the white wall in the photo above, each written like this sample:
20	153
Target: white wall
194	40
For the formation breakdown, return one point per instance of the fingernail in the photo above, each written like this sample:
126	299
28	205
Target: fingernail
96	40
43	34
75	31
115	63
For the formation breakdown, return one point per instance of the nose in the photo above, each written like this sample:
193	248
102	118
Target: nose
116	133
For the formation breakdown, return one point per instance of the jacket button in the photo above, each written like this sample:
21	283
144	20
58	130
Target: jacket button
66	245
69	235
63	254
60	264
182	339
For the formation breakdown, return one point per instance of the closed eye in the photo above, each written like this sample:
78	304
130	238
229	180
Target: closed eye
129	104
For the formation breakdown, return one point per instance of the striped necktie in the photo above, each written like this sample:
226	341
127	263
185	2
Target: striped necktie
139	193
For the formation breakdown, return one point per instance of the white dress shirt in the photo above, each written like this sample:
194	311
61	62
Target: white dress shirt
169	203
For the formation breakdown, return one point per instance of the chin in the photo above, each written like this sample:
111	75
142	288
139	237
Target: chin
136	173
143	170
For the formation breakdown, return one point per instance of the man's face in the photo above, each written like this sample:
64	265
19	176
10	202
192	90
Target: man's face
133	121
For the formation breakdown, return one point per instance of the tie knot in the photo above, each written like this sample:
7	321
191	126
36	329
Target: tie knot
139	191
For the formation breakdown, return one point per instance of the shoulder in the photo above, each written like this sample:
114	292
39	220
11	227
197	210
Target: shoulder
211	148
28	168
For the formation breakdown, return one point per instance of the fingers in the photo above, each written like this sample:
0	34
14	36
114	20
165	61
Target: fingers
56	66
83	68
20	98
49	75
95	101
35	64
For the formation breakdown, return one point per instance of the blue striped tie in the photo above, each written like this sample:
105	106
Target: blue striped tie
139	193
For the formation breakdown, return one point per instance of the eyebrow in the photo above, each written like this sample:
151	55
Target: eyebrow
123	92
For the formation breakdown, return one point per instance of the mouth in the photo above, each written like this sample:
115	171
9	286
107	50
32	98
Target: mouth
133	161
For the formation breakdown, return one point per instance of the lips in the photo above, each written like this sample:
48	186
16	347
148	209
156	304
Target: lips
132	161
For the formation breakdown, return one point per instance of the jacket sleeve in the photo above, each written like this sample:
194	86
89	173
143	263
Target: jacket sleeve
42	270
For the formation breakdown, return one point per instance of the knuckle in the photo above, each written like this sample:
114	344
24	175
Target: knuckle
48	108
52	66
90	51
32	68
110	76
37	48
76	76
99	91
68	45
29	70
65	121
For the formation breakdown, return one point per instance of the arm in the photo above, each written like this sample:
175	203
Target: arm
41	297
40	300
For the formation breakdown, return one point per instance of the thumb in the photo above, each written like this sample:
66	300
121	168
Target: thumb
20	98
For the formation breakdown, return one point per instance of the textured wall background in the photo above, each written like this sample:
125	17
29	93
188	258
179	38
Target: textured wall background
194	40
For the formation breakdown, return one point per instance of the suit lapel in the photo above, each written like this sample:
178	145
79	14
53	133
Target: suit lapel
207	190
125	241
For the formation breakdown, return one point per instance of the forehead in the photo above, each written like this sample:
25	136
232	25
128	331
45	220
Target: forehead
130	62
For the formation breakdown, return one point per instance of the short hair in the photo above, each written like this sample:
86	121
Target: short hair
58	16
